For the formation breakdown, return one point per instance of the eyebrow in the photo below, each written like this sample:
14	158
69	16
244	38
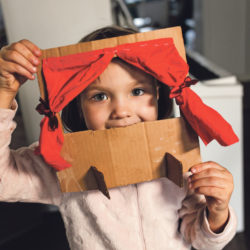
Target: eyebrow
149	82
95	86
129	83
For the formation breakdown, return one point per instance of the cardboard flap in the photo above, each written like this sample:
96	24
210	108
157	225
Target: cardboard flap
100	181
174	169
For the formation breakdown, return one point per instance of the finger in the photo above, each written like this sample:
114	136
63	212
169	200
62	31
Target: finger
32	47
27	49
205	165
210	182
216	193
13	68
212	172
20	57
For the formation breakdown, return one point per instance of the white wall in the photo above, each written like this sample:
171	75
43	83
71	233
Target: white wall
49	23
248	38
223	33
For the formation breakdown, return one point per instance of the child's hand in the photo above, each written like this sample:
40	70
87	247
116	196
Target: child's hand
18	62
216	183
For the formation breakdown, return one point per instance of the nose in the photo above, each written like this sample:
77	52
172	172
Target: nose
121	108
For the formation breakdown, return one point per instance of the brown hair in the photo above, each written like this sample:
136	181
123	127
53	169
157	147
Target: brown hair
72	117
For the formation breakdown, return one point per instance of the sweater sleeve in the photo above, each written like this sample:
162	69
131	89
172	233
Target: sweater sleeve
195	227
24	176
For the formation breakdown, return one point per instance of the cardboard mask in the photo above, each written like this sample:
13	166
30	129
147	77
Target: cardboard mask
67	71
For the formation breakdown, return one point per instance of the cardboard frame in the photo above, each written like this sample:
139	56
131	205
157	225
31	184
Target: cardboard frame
98	157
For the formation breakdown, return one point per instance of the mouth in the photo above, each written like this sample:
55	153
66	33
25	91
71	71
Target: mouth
121	123
120	126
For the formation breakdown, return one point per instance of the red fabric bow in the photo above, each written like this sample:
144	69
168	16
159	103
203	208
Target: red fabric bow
176	92
43	109
67	76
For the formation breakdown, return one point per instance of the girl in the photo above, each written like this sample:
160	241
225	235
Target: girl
152	215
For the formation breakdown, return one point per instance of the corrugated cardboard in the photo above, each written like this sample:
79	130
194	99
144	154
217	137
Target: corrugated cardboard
121	156
129	155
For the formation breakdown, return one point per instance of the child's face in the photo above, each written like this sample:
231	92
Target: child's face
123	95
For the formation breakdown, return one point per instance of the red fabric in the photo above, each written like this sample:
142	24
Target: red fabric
67	76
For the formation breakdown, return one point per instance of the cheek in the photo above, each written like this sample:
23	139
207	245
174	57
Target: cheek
149	114
94	117
148	110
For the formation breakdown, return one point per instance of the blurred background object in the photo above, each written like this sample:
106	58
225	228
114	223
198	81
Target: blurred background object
3	38
217	38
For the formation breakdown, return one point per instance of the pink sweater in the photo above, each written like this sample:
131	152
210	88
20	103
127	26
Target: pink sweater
138	217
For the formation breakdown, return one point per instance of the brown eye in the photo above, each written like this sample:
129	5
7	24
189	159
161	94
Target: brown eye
100	97
137	92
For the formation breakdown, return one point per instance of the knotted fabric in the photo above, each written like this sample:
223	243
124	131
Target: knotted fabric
67	76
